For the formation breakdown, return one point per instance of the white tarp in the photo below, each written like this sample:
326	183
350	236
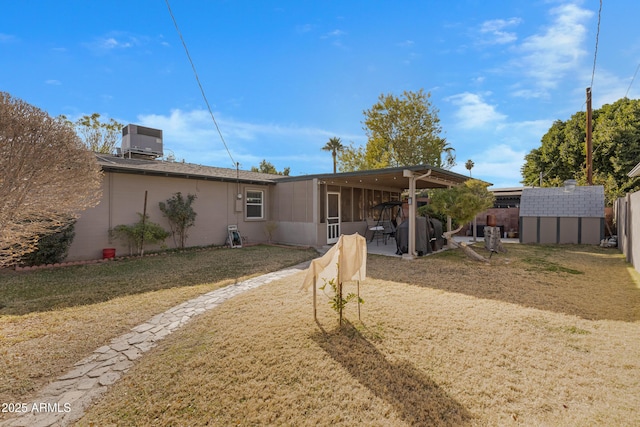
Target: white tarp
349	253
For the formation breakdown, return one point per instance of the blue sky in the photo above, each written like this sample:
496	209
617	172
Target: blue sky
282	77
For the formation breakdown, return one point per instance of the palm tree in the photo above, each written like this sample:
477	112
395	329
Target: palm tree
469	165
334	145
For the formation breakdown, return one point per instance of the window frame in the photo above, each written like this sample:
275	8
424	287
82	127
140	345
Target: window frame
248	203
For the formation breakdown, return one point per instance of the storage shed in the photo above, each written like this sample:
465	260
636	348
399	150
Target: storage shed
569	214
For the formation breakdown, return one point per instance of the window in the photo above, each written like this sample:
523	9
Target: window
255	204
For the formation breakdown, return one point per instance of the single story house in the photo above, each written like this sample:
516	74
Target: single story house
310	210
569	214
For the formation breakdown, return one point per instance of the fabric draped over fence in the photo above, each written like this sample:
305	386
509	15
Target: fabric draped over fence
349	253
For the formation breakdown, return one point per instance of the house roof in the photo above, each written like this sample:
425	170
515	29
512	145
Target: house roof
635	171
560	202
507	191
389	177
111	163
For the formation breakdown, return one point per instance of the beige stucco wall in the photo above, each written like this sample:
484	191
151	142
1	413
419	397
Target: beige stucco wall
123	197
294	206
628	225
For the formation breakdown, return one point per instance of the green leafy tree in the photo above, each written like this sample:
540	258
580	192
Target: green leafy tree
98	136
140	234
462	204
353	158
179	211
401	131
267	167
334	146
616	150
337	300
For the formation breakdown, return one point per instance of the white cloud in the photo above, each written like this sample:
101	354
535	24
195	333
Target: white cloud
304	28
53	82
473	112
7	38
334	34
336	37
551	55
496	29
192	136
406	43
525	131
118	40
498	164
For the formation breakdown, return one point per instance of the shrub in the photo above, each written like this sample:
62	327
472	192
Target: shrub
181	216
52	248
140	234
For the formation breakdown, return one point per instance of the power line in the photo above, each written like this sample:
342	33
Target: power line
199	84
634	77
593	72
595	53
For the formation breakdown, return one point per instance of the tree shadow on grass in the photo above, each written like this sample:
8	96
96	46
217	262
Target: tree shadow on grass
417	399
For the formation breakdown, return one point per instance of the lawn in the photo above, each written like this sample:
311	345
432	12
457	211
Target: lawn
52	318
542	336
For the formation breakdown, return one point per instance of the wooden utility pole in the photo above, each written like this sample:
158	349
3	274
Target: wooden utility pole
589	144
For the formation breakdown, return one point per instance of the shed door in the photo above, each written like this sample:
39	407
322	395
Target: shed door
333	217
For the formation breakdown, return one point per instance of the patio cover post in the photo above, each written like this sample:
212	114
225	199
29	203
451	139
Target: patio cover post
449	227
411	252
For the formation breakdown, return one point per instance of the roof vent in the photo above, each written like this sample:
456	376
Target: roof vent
570	185
141	141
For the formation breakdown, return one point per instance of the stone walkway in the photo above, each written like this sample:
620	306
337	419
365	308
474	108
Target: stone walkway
64	401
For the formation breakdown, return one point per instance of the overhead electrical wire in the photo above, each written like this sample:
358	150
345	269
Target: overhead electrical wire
632	79
595	53
204	96
593	73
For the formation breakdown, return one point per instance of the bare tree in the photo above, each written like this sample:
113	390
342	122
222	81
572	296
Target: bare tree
47	176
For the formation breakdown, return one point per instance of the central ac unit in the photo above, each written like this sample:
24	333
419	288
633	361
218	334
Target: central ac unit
142	140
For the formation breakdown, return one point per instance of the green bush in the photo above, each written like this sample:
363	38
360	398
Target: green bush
140	234
52	248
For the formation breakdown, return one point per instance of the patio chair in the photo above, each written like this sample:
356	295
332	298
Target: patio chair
376	231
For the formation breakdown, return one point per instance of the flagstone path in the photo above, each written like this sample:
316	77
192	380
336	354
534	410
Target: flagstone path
64	401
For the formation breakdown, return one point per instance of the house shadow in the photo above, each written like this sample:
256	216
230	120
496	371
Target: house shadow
417	399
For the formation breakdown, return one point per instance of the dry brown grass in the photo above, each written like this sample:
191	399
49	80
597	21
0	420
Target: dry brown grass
544	336
40	340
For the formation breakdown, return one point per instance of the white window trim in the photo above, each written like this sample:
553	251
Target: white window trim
262	204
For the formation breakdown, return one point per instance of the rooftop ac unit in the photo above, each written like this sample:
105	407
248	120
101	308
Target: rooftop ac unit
141	140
